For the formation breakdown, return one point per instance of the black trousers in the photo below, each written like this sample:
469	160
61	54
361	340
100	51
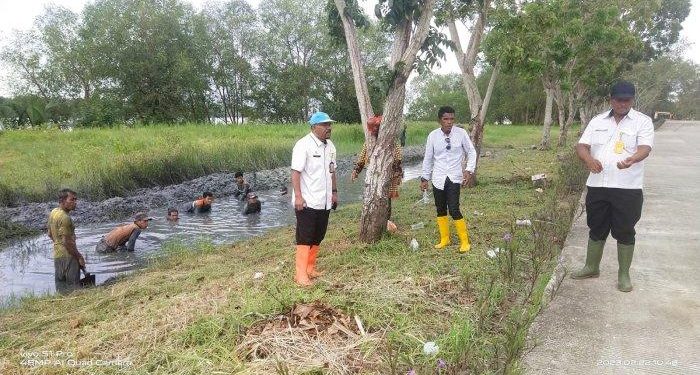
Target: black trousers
616	211
448	198
311	226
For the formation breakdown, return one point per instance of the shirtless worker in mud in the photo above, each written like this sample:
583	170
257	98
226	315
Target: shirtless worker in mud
123	237
202	204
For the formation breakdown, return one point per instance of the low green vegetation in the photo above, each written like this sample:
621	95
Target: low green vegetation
101	163
10	231
106	162
201	310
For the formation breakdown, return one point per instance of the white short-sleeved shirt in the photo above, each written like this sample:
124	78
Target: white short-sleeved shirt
440	163
312	157
602	132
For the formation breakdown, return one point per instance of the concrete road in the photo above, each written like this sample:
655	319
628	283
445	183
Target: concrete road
590	327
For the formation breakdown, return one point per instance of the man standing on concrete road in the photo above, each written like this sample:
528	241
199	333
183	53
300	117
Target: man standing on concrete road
613	147
67	259
314	193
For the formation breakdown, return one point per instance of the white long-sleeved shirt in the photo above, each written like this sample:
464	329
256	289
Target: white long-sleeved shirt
439	163
315	160
601	134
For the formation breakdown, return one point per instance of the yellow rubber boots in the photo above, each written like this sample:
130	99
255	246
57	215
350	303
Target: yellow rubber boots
463	233
444	229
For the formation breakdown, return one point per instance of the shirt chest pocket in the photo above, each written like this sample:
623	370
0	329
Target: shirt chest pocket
314	164
629	141
599	137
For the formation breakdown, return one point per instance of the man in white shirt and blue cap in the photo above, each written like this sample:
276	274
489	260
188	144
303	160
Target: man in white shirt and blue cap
314	193
442	164
613	147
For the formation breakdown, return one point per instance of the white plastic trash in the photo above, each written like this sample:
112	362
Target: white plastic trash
525	222
492	253
258	275
430	348
426	198
414	244
419	225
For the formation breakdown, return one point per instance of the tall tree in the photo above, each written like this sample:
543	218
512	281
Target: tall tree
289	53
428	92
467	60
149	57
232	29
349	14
23	54
409	22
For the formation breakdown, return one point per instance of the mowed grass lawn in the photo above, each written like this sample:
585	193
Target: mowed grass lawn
201	310
102	163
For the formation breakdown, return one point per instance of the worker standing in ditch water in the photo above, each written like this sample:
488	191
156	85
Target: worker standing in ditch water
201	205
172	215
396	169
314	193
252	204
123	237
442	164
67	260
613	147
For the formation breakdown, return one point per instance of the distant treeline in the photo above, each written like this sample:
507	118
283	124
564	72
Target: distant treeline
162	61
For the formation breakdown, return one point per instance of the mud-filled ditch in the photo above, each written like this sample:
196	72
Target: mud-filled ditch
26	267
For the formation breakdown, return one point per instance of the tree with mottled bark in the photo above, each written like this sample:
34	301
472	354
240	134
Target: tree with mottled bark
467	59
410	26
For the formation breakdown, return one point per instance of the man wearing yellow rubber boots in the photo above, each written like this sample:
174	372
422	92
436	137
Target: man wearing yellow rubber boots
442	164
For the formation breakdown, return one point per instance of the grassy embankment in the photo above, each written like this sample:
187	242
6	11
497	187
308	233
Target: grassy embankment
199	310
101	163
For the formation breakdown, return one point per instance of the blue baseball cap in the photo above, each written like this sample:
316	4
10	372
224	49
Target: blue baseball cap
319	118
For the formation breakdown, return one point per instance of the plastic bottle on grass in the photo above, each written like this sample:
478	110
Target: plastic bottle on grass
419	225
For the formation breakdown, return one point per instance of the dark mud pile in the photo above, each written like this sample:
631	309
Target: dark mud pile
34	215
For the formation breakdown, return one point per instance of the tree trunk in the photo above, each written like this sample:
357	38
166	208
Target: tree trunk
569	121
375	212
585	115
544	145
489	91
466	61
478	123
407	42
358	71
559	100
527	115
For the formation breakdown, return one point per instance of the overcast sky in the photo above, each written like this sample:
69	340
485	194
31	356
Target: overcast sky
20	14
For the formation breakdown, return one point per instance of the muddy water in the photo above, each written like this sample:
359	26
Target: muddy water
27	267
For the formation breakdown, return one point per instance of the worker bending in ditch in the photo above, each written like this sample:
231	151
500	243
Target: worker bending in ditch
442	164
123	237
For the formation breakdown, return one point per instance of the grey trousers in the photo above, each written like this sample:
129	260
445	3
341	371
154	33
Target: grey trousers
66	274
103	248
